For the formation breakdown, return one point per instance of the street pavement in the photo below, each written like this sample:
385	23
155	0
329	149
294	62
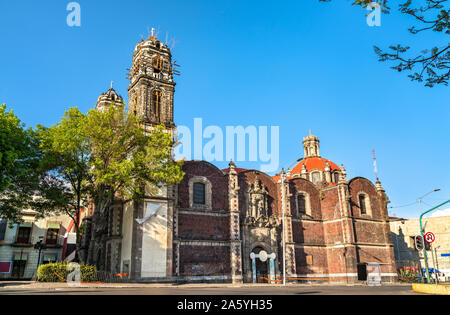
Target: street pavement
32	288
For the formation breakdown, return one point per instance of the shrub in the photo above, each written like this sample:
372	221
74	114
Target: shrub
58	272
408	274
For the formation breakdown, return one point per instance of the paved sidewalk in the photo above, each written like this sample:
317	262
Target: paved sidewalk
44	285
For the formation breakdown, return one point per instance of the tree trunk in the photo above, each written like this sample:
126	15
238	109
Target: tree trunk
97	246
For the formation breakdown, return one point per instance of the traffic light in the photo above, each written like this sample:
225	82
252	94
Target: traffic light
418	242
425	243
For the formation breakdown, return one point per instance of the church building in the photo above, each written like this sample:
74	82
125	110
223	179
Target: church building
226	225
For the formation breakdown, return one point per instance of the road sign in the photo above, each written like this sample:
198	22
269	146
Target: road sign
429	237
445	255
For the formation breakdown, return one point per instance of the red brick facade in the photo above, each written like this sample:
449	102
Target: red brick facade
227	225
326	243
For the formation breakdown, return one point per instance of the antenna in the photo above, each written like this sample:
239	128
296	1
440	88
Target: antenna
172	43
166	42
375	163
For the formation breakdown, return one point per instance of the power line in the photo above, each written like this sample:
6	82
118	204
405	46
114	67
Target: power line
405	205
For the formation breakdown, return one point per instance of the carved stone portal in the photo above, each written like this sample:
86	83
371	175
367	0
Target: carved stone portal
258	208
259	230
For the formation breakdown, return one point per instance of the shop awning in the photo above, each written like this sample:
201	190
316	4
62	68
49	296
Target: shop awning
53	226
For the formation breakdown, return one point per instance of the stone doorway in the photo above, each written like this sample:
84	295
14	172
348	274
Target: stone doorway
262	265
262	268
362	272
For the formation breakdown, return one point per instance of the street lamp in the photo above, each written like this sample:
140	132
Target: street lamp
420	198
283	206
421	229
40	246
283	178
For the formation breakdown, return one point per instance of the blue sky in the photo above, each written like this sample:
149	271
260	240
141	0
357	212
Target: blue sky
298	65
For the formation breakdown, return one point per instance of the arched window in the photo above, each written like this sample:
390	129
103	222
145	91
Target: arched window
301	204
199	197
200	193
362	204
315	177
336	177
156	104
157	64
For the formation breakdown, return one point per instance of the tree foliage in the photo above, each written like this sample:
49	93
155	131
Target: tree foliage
66	163
94	157
126	162
100	156
20	157
430	65
125	158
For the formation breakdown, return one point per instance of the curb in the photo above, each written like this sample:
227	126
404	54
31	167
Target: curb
431	288
61	285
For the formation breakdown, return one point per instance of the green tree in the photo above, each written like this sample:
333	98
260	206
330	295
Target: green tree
430	65
67	165
125	162
96	158
20	157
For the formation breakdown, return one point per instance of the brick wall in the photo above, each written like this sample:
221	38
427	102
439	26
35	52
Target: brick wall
384	256
203	227
308	232
318	257
219	184
204	260
370	232
203	235
302	185
330	204
358	185
333	232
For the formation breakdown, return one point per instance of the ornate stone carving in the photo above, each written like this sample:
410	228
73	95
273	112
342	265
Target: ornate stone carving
258	207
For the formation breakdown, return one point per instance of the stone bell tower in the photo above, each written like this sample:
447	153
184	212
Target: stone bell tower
108	98
149	253
151	87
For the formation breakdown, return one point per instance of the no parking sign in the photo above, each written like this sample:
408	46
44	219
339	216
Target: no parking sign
429	237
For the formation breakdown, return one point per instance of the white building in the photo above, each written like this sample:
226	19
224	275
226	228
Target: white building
403	232
18	257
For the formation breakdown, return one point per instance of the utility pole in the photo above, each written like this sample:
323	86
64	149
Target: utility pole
283	206
421	233
283	193
434	263
40	246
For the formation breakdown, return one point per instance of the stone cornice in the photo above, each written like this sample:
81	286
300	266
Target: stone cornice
145	76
